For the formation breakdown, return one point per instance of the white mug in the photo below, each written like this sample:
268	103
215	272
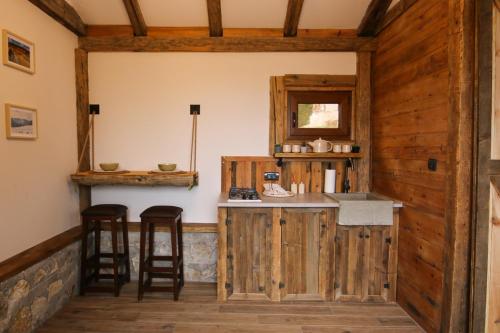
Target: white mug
296	148
303	149
346	148
337	148
287	148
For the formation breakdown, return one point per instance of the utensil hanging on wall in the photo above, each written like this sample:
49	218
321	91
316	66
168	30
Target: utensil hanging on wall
194	111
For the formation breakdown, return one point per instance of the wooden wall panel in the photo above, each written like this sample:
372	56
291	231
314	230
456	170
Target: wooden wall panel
248	171
409	126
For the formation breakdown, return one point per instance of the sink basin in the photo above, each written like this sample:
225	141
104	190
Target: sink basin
363	209
356	196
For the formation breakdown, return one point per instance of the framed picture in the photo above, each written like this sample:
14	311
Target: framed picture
21	122
18	52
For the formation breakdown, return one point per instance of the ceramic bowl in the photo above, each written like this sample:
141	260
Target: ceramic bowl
167	166
109	166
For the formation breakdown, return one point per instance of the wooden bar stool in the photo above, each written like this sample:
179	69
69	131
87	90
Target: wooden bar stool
92	220
169	216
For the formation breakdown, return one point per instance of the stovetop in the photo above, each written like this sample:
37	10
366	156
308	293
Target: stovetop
238	194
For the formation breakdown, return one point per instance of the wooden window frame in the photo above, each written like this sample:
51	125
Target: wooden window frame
341	97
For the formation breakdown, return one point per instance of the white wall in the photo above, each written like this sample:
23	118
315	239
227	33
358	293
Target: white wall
37	200
145	119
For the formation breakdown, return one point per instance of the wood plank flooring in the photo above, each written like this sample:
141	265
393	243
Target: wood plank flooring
197	311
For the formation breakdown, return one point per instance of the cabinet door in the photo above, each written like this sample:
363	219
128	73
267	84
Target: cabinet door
349	243
249	253
376	275
305	254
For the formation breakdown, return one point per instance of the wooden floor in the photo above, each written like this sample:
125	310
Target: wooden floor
197	311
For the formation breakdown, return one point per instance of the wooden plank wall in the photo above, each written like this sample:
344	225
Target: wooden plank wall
248	171
409	126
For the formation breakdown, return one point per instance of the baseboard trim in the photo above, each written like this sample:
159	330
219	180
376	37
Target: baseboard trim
18	263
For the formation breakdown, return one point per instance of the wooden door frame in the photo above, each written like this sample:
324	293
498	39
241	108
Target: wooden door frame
483	165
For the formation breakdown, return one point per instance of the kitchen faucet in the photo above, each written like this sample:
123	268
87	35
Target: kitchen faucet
348	165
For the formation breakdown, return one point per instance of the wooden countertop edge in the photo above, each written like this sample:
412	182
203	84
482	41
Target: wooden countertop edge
18	263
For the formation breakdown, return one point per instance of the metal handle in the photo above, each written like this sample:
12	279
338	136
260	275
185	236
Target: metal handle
294	119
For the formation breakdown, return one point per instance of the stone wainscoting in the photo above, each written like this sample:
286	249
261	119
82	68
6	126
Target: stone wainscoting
31	297
200	253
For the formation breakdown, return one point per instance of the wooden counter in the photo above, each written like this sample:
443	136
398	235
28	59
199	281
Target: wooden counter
136	178
299	253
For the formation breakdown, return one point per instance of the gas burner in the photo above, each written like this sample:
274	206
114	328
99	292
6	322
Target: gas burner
238	194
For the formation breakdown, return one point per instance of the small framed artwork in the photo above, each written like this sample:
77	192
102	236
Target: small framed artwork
18	52
21	122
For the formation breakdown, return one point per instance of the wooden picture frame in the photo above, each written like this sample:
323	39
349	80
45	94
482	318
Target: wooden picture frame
18	53
21	122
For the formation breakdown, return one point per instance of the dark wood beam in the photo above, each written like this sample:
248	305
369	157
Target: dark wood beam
456	270
136	19
399	9
127	31
214	18
82	119
374	16
63	13
292	17
226	44
483	165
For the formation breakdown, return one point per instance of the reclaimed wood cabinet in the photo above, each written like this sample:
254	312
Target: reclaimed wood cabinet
249	253
287	254
305	253
366	263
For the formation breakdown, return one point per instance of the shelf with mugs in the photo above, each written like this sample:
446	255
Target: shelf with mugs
328	155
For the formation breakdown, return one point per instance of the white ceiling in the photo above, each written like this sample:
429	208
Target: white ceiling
316	14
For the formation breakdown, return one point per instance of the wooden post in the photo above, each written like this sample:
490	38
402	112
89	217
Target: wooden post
222	256
482	155
82	118
363	119
458	206
276	252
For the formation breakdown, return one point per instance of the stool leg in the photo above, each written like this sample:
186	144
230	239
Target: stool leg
181	250
175	265
142	250
151	252
114	243
126	249
97	249
83	264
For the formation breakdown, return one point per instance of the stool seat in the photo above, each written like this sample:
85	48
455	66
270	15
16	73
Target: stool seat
161	212
105	210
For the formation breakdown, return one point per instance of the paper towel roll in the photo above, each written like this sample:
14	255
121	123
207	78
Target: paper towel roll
330	175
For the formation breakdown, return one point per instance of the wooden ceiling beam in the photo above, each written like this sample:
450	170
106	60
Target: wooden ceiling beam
399	9
374	16
136	19
63	13
292	18
227	44
214	18
127	31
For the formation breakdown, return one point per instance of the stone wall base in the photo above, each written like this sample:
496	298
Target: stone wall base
29	298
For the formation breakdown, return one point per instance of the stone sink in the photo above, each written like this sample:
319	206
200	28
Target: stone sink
364	209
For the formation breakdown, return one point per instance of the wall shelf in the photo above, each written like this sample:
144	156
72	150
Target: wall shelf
318	155
137	178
